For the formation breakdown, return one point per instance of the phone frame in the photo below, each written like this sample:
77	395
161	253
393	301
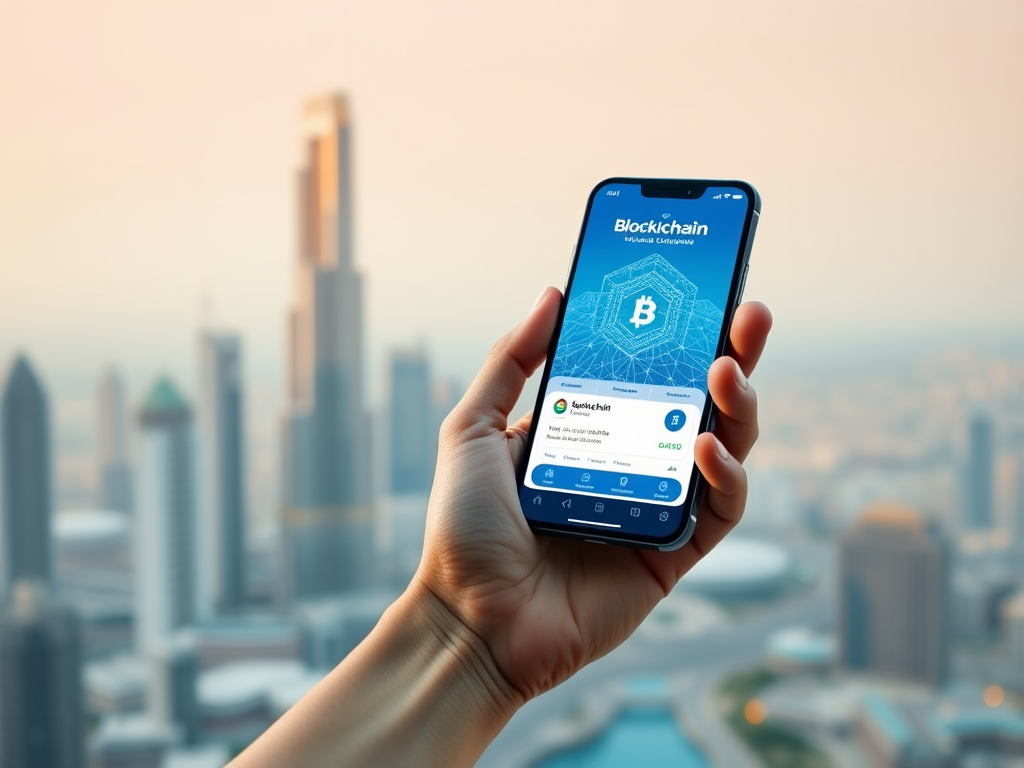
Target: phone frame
685	189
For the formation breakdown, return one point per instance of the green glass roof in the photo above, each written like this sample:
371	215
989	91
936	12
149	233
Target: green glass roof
164	397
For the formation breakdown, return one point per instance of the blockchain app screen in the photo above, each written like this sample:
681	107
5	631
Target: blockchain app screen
628	382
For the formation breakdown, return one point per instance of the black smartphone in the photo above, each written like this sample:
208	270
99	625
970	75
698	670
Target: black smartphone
656	276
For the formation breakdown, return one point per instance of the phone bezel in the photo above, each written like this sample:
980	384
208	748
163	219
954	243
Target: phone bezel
679	189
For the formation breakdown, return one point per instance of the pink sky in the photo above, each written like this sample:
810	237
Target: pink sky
147	153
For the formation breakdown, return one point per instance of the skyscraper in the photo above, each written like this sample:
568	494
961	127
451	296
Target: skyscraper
222	416
170	582
412	430
174	669
980	475
41	710
893	596
327	516
26	478
115	473
1018	505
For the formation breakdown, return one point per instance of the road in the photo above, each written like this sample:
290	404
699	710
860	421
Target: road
701	661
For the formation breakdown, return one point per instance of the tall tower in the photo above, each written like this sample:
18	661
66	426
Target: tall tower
893	596
115	472
40	682
25	477
222	415
412	425
327	518
1018	507
170	580
980	476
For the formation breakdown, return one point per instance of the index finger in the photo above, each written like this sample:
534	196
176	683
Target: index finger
747	336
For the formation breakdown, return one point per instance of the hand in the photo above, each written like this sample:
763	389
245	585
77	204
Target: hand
542	606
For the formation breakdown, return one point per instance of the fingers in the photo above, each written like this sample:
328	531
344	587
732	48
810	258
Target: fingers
749	331
734	396
719	512
512	360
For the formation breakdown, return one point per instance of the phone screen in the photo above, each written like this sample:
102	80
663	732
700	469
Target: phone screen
619	414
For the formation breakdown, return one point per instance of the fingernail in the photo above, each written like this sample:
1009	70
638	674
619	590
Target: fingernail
722	453
539	297
740	378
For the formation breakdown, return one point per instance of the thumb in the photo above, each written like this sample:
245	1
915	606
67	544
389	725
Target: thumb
515	357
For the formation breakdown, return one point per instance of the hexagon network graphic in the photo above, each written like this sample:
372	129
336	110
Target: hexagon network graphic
645	326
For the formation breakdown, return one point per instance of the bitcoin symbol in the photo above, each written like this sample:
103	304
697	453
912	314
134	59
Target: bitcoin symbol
643	314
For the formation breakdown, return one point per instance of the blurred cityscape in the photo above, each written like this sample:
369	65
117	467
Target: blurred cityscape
868	612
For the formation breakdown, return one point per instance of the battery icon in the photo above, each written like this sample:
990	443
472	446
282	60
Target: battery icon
737	197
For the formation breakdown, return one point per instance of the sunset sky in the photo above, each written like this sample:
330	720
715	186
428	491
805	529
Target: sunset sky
148	151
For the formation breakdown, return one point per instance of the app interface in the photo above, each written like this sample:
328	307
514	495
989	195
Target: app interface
628	382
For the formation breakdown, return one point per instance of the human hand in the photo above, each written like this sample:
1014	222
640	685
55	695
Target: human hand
543	607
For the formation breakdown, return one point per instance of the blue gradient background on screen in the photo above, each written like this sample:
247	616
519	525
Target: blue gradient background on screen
708	263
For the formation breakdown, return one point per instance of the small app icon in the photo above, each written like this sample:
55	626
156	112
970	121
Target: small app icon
675	420
663	516
560	406
567	503
536	500
662	486
599	507
549	473
586	477
634	511
623	481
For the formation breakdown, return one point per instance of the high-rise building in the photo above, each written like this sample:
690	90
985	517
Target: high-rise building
1018	506
894	596
115	472
413	443
41	702
1013	621
170	582
327	515
222	418
25	477
174	671
979	481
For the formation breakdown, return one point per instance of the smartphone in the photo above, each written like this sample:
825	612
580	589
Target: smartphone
656	275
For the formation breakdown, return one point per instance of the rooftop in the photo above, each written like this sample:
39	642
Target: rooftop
892	515
237	688
736	563
165	397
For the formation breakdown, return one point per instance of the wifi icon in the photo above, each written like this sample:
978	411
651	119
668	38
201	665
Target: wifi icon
665	215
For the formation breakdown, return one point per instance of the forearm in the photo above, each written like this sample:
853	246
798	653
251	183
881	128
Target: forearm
420	690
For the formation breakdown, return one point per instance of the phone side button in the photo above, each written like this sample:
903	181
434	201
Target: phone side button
743	284
568	270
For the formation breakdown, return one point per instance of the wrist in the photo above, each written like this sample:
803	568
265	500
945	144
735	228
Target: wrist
462	661
422	689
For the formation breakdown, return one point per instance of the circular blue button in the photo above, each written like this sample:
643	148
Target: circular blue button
674	420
